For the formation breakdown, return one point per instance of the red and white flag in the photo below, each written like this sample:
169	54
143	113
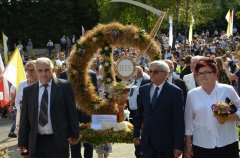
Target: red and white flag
4	88
83	32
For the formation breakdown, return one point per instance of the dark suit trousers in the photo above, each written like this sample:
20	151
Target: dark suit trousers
76	150
47	148
150	152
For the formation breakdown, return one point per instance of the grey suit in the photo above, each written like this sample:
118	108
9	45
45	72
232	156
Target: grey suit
62	111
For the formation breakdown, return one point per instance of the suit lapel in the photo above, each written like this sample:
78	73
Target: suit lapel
162	93
54	89
148	94
35	101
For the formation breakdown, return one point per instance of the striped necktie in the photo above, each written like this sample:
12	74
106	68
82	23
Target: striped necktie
43	116
155	96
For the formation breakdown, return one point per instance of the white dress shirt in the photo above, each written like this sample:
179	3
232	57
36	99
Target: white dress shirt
189	81
19	94
47	129
202	124
153	89
133	99
18	101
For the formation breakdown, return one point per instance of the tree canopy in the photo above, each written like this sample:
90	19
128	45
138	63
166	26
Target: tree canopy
208	14
41	20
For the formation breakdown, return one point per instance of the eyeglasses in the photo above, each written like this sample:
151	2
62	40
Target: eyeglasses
204	73
155	72
29	70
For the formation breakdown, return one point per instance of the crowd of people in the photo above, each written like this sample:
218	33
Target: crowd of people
170	105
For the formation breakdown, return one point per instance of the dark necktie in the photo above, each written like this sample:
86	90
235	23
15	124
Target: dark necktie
154	98
43	116
132	89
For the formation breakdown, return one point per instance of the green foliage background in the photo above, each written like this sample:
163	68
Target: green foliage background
208	14
41	20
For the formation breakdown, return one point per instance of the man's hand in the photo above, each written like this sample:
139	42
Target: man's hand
23	149
24	152
72	141
177	153
136	141
188	153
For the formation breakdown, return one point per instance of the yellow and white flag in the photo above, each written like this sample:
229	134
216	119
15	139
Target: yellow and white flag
229	18
5	48
190	35
14	71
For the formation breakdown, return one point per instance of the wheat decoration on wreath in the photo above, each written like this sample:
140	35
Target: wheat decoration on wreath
103	38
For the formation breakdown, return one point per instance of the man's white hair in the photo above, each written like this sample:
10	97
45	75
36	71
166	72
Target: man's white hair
44	60
161	64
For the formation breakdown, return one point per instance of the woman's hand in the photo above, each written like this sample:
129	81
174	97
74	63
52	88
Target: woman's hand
233	117
222	120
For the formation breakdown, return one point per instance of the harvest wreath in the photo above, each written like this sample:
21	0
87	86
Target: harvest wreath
102	38
3	151
121	133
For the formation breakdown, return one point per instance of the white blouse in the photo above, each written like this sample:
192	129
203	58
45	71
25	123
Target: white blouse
202	124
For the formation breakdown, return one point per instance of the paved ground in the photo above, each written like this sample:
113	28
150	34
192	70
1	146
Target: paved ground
119	150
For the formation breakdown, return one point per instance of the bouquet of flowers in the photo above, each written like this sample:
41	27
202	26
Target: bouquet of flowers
223	109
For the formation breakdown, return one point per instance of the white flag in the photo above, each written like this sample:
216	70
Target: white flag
5	47
83	32
170	39
190	35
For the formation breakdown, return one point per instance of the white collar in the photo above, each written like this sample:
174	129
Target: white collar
159	86
49	83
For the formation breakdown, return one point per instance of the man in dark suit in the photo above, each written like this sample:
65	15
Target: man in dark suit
160	116
176	81
49	120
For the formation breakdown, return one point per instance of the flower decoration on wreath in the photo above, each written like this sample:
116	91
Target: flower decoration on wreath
103	38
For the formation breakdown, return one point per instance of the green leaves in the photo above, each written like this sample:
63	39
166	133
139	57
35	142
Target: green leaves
105	136
46	19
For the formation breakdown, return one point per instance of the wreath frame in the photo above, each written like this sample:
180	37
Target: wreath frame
115	35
